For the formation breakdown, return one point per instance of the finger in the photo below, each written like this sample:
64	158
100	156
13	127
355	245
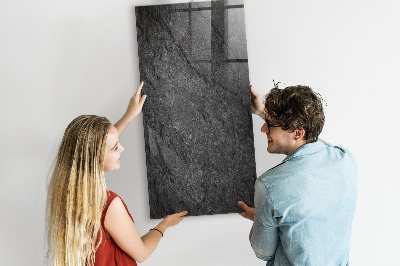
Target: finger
243	205
182	214
243	214
253	92
139	88
142	100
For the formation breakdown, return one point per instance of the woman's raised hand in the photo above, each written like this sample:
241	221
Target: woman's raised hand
135	104
134	108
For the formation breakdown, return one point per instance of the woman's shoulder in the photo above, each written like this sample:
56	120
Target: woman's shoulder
111	195
115	202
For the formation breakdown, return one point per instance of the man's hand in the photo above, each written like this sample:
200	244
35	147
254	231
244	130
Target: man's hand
248	211
257	105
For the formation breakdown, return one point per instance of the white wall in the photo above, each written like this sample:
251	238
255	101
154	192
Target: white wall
59	59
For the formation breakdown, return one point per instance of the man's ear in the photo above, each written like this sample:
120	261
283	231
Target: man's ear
299	134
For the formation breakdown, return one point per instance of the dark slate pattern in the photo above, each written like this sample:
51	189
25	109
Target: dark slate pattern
197	117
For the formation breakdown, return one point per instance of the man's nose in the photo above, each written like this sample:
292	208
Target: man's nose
264	128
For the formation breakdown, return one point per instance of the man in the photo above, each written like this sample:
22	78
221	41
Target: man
304	206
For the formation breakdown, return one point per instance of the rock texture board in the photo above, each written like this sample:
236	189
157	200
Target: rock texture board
197	117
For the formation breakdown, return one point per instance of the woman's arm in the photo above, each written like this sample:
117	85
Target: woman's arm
134	108
122	229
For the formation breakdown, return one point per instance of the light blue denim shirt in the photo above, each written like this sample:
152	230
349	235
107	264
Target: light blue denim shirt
305	208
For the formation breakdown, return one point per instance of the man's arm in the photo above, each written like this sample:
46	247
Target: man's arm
264	235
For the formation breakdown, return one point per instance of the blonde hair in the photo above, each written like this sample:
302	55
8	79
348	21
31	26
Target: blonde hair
77	193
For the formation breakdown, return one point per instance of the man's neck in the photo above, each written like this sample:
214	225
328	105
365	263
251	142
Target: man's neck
297	145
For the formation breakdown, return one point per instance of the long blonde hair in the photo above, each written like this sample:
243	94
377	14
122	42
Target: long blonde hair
77	193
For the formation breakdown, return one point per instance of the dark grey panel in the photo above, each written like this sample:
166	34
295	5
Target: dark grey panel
197	117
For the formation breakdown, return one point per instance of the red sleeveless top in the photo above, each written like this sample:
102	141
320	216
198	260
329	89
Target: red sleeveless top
109	253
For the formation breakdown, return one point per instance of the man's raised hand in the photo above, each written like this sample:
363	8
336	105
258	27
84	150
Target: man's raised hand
257	105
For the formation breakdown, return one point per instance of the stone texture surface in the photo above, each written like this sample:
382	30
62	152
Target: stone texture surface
197	117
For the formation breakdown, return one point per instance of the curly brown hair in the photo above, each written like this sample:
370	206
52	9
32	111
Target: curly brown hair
297	107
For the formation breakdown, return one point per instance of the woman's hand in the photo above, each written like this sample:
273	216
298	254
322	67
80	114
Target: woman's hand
122	229
257	105
170	220
135	104
174	219
134	108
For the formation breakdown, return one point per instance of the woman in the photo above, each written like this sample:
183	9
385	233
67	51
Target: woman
87	224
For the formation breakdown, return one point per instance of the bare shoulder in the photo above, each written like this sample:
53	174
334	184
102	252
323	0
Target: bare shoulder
115	211
121	228
116	204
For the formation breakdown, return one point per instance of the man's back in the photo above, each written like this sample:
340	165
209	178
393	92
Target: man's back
305	207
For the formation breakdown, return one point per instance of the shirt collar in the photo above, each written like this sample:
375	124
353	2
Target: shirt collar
306	149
